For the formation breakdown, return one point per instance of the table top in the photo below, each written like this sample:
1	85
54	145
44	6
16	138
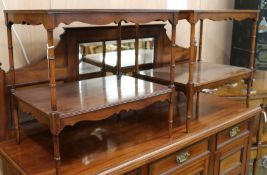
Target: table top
51	18
90	95
204	73
129	142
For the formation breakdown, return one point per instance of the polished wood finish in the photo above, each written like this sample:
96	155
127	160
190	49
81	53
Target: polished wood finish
87	100
58	117
136	68
16	119
258	147
104	59
11	56
206	75
3	105
200	40
119	151
67	59
84	96
197	168
259	97
226	136
118	68
51	69
172	70
251	61
172	62
199	59
189	87
53	17
232	159
67	65
182	158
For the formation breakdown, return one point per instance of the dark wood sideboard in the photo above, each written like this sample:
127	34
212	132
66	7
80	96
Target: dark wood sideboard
259	97
138	143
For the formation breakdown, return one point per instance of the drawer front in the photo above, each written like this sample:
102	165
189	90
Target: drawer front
196	168
177	160
140	171
232	133
232	158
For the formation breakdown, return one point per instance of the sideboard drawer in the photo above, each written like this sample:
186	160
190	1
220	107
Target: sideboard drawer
181	158
232	158
230	134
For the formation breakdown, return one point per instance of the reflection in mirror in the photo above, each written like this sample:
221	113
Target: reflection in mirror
85	49
102	56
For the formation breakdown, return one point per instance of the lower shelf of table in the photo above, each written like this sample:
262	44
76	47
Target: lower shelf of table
205	74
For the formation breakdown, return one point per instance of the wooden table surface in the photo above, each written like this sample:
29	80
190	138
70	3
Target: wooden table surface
112	145
204	73
90	95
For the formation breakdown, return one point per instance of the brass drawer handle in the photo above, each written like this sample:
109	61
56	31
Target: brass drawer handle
182	157
234	131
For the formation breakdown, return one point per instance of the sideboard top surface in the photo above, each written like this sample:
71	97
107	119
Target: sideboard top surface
126	143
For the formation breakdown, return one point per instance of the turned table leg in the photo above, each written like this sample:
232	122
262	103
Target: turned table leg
104	73
259	137
190	85
197	106
118	66
55	130
189	105
249	84
172	75
136	65
13	82
199	59
56	153
171	109
251	61
16	120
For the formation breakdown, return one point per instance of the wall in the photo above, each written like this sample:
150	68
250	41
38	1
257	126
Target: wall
32	40
217	38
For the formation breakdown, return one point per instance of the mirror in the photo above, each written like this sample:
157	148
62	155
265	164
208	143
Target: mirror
96	56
